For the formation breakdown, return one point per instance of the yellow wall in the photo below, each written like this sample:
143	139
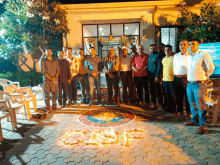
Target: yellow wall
165	14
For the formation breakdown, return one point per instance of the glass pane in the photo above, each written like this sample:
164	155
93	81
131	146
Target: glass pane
104	30
117	29
132	29
89	30
90	42
165	35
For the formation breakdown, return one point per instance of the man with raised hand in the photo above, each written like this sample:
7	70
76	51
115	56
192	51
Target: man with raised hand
125	68
73	81
92	68
200	66
51	70
180	77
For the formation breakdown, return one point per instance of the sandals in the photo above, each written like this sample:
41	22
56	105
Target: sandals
190	123
202	130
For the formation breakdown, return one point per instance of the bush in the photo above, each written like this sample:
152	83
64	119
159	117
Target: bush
24	78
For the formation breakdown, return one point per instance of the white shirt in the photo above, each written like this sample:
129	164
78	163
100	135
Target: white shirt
125	63
180	64
200	66
74	65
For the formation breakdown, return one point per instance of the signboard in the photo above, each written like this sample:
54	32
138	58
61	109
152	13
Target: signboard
214	50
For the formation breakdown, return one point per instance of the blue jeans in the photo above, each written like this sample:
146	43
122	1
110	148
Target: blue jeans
196	93
94	81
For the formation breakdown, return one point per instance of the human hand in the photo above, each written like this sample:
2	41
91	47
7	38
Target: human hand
69	81
94	74
54	79
157	79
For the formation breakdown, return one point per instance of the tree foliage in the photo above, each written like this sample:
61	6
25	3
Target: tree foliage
205	27
27	24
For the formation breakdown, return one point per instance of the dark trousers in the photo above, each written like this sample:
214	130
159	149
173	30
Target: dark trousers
72	89
50	87
63	86
142	83
84	82
112	82
168	87
155	91
180	91
126	78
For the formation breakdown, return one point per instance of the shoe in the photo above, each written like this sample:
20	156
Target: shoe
64	106
69	103
99	103
141	104
152	105
109	103
190	123
74	103
91	104
202	130
56	108
83	101
188	113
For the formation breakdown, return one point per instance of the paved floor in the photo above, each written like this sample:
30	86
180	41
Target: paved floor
163	140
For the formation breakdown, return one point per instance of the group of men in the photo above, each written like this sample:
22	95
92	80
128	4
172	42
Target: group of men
171	78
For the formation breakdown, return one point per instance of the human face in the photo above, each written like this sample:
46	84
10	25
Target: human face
70	52
81	52
134	50
61	54
112	52
183	46
140	50
161	49
193	46
168	51
92	52
152	49
49	52
124	52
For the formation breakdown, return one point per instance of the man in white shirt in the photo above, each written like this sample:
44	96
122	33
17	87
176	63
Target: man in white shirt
73	81
180	77
200	66
125	68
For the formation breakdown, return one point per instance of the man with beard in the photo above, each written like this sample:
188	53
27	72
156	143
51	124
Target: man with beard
51	70
154	73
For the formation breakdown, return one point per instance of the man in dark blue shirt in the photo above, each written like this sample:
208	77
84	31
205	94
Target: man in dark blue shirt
154	74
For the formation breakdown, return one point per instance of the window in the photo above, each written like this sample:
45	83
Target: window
169	37
91	34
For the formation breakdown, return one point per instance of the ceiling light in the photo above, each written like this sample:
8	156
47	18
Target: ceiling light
126	28
102	33
100	28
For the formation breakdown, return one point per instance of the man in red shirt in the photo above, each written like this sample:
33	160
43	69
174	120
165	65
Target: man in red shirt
139	65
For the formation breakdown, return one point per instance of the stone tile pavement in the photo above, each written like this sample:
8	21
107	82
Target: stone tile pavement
163	140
